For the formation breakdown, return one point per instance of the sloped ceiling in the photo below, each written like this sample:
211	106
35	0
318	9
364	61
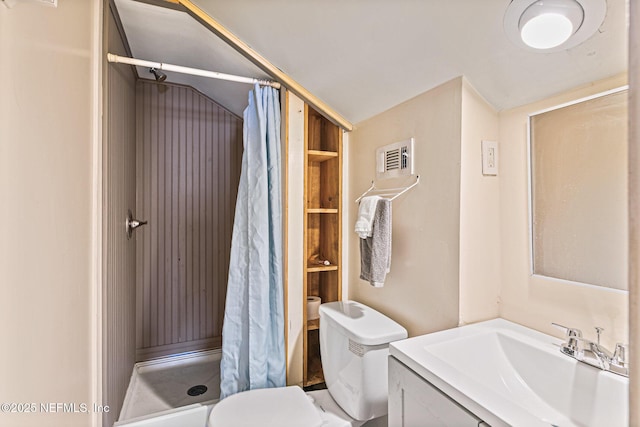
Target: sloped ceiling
165	35
363	57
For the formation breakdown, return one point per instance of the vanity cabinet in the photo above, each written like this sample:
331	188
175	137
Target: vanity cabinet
414	402
322	229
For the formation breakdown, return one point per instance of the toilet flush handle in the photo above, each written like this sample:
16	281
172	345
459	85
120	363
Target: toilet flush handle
131	224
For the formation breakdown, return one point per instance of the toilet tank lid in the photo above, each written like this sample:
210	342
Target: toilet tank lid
362	324
269	407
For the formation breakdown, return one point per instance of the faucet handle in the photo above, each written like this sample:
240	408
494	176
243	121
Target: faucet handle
572	335
599	330
569	332
621	355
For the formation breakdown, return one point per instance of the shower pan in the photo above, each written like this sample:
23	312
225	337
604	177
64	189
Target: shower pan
172	382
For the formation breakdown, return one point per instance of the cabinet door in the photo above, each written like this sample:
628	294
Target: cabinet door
414	402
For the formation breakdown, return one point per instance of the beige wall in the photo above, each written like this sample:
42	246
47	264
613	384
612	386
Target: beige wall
479	213
421	291
47	131
536	301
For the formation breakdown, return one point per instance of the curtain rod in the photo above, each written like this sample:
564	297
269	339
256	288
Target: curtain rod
187	70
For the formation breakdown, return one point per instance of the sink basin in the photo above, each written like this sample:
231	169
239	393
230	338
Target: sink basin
508	374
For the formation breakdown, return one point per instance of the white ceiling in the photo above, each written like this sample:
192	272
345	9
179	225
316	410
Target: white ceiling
363	57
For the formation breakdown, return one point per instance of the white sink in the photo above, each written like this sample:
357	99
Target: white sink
507	374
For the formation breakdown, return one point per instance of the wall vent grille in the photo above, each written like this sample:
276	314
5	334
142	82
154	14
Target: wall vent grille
395	159
392	160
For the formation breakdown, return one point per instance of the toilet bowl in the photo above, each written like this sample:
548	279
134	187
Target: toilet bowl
273	407
280	407
331	413
354	346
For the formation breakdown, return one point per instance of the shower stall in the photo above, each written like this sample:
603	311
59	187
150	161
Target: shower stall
188	155
172	156
184	156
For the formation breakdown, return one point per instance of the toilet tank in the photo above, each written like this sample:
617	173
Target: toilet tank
354	346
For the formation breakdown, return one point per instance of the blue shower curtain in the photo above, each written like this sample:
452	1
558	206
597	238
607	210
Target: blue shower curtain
253	331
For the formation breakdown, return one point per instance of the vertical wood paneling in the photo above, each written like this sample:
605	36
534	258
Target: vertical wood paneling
189	151
119	195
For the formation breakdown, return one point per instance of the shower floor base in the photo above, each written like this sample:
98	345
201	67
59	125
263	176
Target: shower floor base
163	384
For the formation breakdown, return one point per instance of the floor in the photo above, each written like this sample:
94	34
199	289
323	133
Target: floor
163	384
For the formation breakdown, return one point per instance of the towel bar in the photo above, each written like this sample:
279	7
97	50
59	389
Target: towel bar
394	192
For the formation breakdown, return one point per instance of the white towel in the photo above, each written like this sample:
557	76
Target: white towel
366	211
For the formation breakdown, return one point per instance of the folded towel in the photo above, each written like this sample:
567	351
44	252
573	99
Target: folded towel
375	251
366	211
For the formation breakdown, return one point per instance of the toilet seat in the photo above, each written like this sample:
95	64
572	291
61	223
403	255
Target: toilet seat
271	407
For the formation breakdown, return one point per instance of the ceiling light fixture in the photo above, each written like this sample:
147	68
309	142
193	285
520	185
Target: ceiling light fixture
553	25
549	23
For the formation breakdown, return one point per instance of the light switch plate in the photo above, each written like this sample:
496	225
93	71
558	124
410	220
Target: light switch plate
489	158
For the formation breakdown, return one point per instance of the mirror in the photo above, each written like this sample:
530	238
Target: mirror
578	185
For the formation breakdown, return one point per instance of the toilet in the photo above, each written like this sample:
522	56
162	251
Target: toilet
354	345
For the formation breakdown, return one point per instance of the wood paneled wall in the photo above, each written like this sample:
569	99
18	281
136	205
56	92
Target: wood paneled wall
119	195
189	152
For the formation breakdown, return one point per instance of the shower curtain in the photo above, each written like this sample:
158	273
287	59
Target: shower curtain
253	330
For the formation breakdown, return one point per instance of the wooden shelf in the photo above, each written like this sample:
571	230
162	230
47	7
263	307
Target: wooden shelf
322	211
314	371
315	380
321	156
322	229
312	325
315	268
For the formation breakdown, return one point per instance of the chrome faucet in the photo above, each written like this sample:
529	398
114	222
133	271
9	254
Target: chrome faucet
593	353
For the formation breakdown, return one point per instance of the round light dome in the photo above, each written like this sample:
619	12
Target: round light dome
552	25
546	31
549	23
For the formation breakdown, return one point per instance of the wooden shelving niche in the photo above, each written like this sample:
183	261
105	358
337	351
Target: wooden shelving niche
322	228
